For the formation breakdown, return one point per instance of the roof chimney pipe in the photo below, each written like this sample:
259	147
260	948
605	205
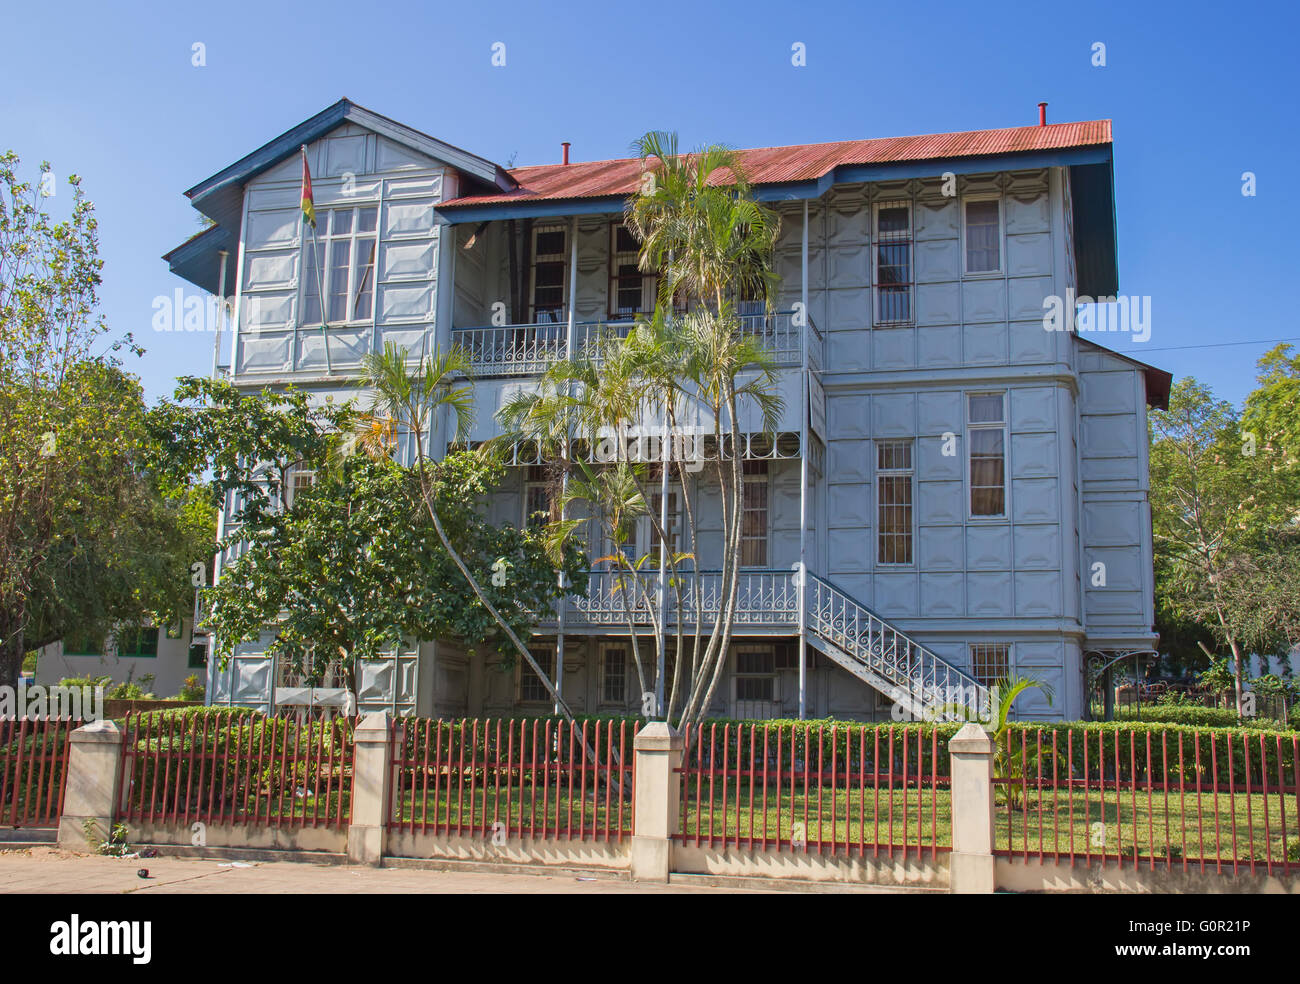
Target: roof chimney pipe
565	145
1042	114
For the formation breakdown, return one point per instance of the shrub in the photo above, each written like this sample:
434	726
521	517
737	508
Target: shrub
206	754
192	688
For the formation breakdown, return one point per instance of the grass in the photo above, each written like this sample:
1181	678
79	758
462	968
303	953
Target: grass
849	817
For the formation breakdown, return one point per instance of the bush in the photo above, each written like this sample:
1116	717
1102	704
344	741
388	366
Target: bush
86	681
206	754
192	688
1194	715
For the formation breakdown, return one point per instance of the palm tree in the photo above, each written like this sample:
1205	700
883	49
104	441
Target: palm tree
1008	761
702	231
590	398
413	400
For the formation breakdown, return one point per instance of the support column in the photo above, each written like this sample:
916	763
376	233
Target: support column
803	472
971	864
372	790
91	785
657	800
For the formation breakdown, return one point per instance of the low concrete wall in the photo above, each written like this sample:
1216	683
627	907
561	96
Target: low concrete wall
244	836
513	850
1018	875
884	870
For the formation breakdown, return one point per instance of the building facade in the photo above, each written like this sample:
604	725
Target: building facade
964	488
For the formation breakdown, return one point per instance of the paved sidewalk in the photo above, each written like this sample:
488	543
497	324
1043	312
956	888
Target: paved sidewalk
46	870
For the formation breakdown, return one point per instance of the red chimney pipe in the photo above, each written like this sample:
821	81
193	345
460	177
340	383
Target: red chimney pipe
1042	114
565	145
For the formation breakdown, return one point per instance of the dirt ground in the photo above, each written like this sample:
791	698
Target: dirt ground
51	871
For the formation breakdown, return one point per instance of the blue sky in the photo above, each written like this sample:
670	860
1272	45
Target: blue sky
1198	94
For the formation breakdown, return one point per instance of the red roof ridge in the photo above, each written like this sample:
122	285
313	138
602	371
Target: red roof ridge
617	177
824	143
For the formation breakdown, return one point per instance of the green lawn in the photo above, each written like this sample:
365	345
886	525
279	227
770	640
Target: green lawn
852	817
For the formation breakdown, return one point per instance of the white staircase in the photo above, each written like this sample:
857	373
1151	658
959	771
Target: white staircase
924	684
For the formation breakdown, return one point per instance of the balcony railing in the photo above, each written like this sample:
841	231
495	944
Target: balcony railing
527	350
763	598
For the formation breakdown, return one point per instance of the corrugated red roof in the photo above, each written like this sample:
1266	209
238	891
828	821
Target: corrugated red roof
801	162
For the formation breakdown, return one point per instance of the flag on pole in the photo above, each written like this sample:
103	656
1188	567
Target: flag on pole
308	205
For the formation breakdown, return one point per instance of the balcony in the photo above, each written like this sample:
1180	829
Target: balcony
764	598
527	350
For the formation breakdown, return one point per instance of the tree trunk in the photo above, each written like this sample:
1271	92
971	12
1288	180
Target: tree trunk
1238	674
12	648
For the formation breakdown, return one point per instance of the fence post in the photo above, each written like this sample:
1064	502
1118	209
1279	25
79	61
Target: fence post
656	800
90	788
971	866
372	784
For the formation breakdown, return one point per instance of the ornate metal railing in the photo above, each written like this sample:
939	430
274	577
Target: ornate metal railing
926	680
763	598
527	350
512	350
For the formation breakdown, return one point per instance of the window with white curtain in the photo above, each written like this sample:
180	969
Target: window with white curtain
982	224
340	260
986	445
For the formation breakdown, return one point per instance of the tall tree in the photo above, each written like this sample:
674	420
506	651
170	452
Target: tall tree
415	401
1203	490
712	243
348	566
88	538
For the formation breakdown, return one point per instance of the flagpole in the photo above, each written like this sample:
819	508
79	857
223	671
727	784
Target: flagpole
308	197
320	293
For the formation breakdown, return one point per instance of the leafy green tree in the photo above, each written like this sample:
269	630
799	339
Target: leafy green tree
711	243
89	538
416	401
1271	436
347	568
1204	498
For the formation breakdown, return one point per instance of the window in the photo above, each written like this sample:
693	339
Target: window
83	645
755	681
139	643
613	675
652	533
982	221
753	521
990	661
549	265
530	687
631	292
198	656
894	502
987	458
340	260
894	263
537	500
299	479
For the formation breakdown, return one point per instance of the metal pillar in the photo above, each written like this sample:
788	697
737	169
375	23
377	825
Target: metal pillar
803	478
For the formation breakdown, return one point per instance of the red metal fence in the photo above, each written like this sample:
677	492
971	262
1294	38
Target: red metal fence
1221	801
236	769
526	778
841	789
33	764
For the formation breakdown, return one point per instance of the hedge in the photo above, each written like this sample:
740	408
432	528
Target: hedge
205	755
722	742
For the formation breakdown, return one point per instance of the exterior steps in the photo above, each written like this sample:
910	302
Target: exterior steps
856	638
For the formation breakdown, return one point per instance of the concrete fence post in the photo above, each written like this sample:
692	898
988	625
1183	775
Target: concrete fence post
971	866
372	789
91	785
656	800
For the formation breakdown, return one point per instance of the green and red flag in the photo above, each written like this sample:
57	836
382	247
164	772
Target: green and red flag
308	205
